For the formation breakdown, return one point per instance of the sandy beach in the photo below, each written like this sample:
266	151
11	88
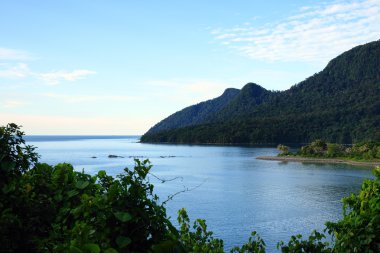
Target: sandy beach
317	160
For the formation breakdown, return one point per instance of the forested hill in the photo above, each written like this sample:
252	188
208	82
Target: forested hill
195	114
339	104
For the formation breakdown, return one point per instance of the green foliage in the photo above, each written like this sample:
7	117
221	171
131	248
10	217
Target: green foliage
199	240
255	245
196	114
314	244
56	209
317	148
360	151
339	104
359	230
335	150
61	209
15	157
284	149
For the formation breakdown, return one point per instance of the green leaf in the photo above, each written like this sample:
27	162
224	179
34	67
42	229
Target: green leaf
123	241
92	247
123	216
74	249
8	166
82	184
72	193
167	246
110	250
102	173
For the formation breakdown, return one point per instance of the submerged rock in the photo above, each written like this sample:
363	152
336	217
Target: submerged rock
136	156
115	156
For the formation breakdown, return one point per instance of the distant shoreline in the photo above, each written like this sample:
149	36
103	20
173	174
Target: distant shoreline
317	160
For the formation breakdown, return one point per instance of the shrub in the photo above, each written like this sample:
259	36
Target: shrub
314	244
284	149
359	230
335	150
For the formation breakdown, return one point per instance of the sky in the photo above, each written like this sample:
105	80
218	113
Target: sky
97	67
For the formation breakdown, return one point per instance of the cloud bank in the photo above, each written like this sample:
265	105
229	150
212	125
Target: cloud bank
187	91
91	98
55	77
12	54
22	70
315	34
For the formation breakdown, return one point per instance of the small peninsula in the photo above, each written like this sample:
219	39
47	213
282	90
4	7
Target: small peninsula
318	160
319	151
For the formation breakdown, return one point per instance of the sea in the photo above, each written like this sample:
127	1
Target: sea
225	185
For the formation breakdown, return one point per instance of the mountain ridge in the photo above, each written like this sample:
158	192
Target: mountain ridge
339	104
191	115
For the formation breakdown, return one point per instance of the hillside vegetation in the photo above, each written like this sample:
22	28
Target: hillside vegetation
362	151
339	104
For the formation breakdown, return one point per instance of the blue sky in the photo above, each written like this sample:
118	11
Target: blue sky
118	67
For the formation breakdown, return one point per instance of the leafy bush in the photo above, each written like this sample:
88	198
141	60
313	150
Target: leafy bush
200	240
314	244
317	148
359	230
56	209
360	151
335	150
283	149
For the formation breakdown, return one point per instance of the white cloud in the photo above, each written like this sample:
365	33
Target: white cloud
9	104
12	54
22	70
186	92
90	98
314	34
55	77
19	70
88	125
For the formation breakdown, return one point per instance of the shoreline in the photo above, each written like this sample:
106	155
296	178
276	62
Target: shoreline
317	160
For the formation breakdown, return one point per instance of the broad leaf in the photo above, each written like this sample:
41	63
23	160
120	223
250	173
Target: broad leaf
92	248
123	241
123	216
82	184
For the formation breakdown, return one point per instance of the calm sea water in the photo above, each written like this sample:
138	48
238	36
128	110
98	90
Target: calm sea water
234	192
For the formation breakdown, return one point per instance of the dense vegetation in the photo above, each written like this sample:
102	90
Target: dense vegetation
339	104
196	114
47	208
363	151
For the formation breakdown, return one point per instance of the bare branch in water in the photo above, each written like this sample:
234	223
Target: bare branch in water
166	180
185	189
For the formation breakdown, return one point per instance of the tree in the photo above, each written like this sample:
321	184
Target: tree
284	149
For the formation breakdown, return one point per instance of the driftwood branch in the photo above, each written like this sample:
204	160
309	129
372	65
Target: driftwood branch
185	189
165	180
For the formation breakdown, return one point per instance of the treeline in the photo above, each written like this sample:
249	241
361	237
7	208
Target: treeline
273	130
319	148
46	208
339	104
196	114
